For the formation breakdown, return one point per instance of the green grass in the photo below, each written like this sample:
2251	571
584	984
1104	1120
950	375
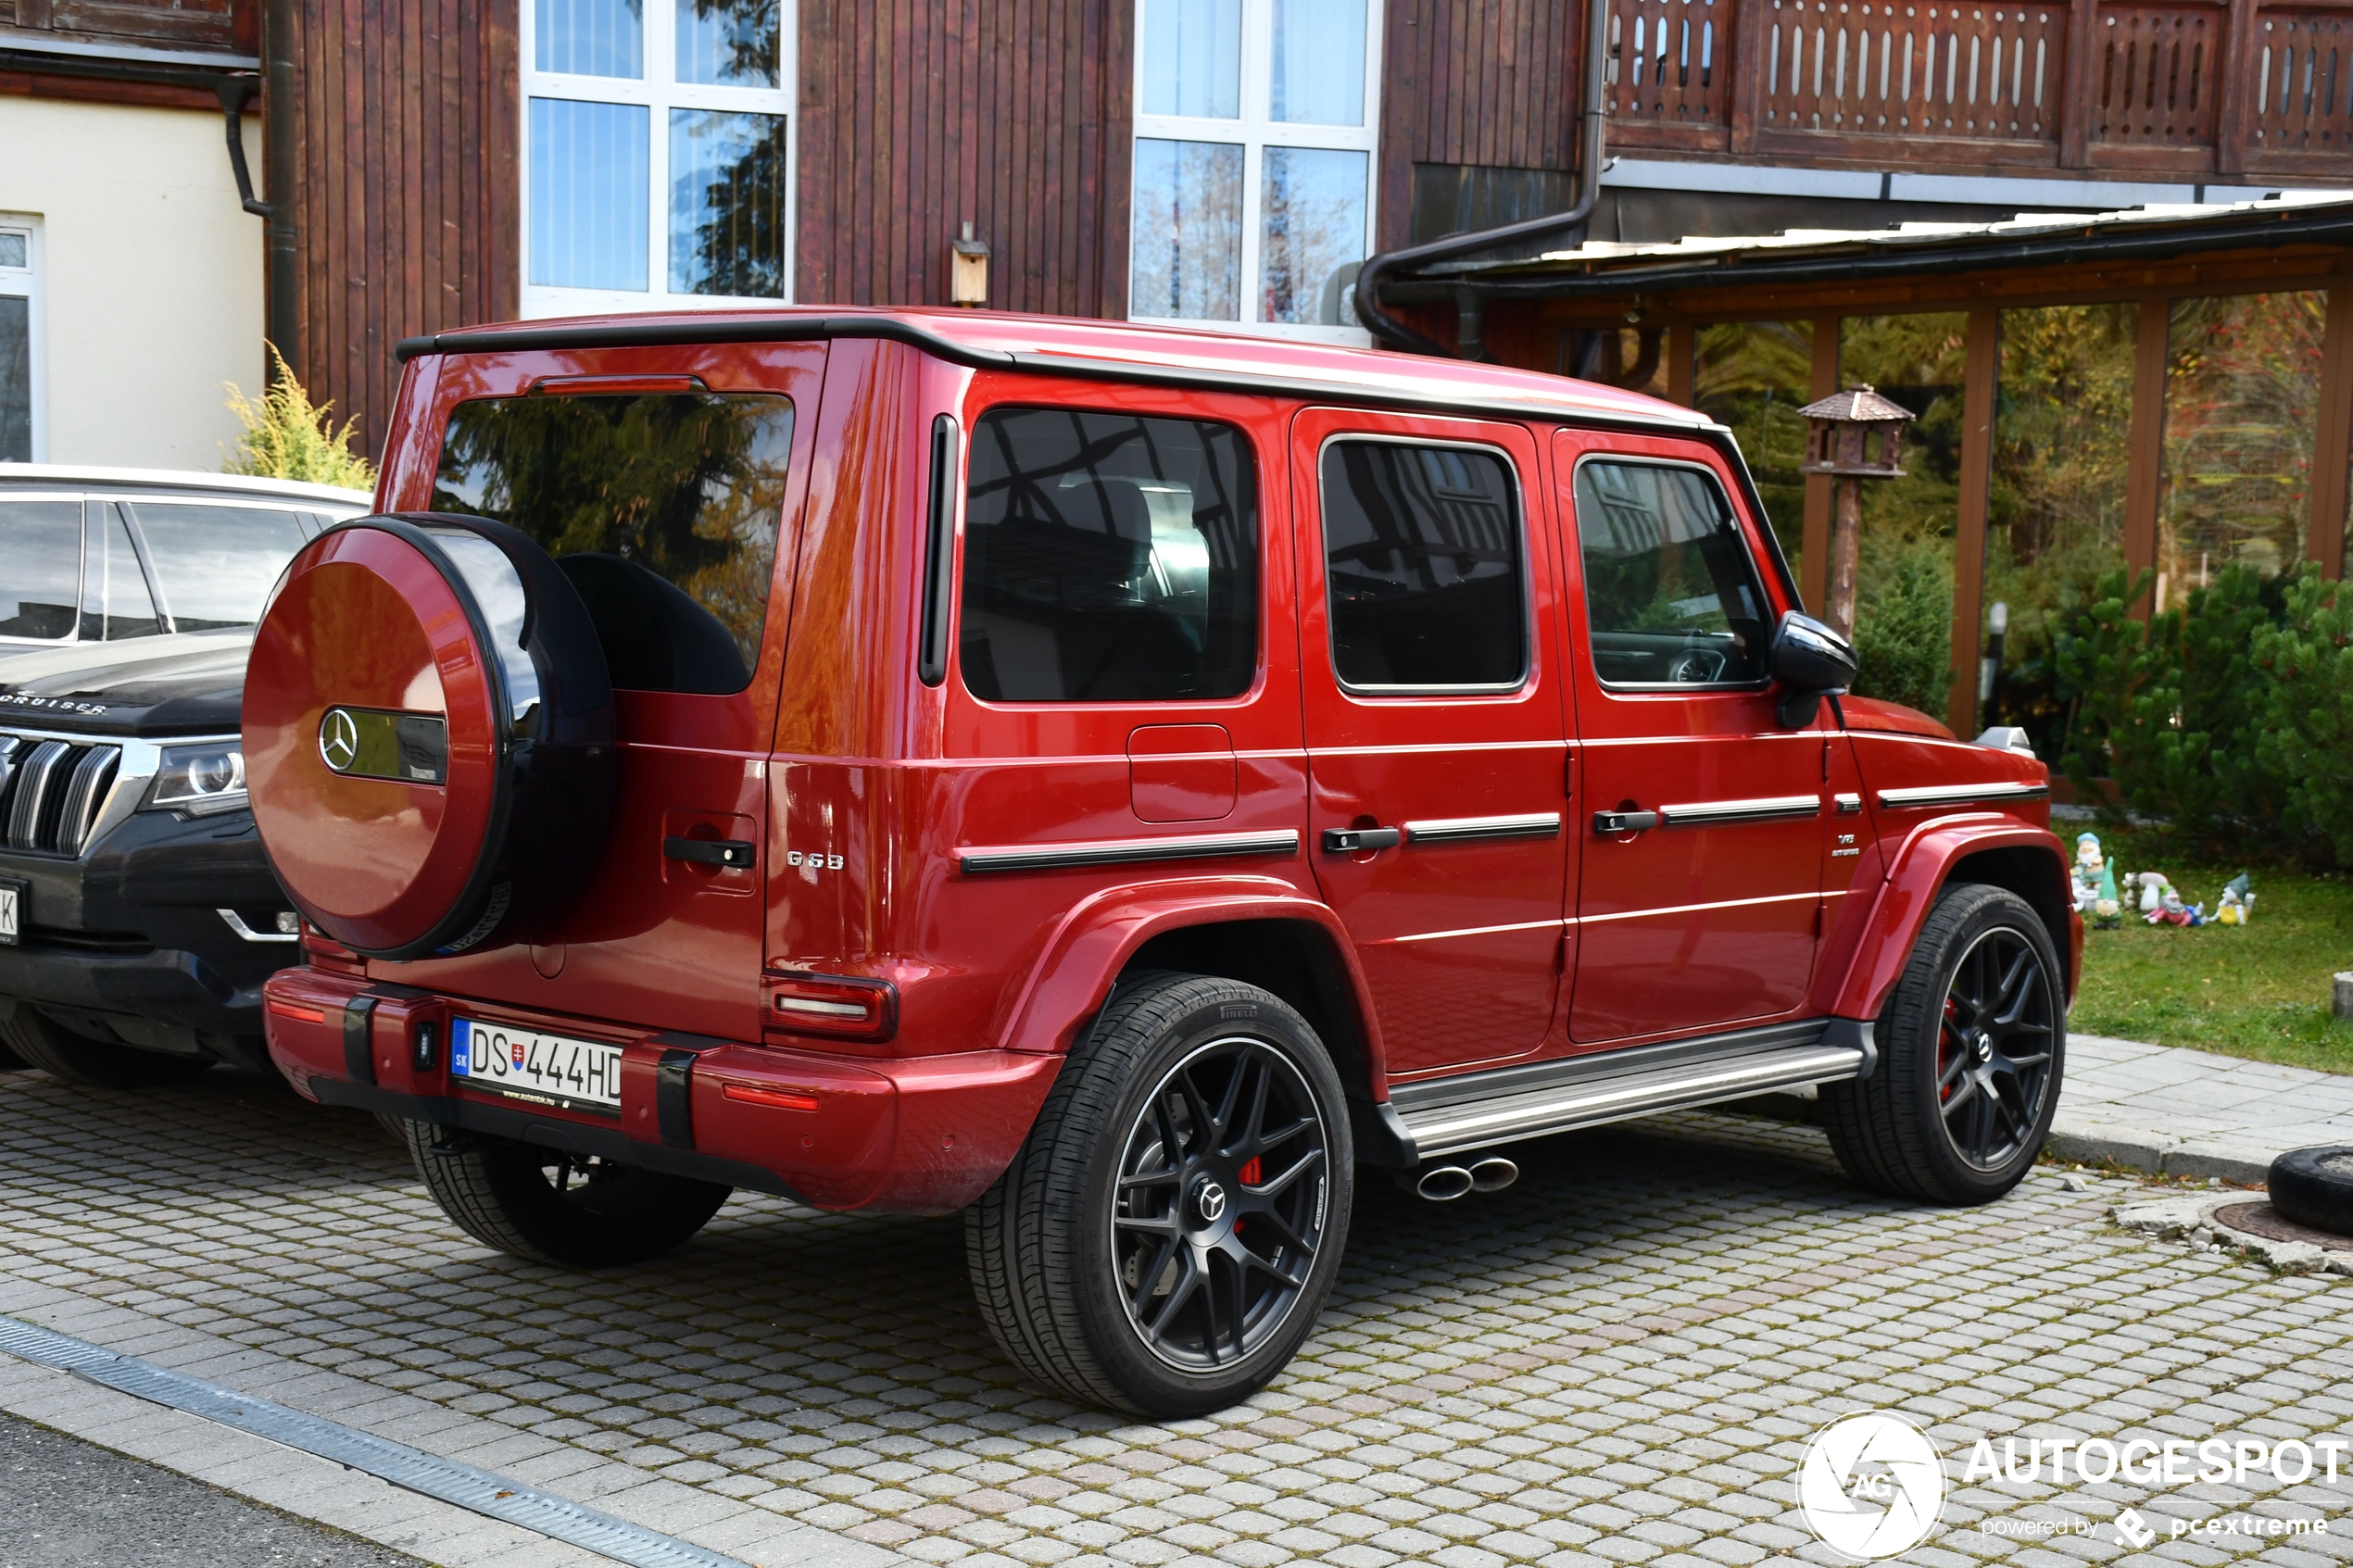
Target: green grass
2259	990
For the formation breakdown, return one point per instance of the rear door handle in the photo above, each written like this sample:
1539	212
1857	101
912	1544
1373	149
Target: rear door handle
709	851
1610	822
1349	841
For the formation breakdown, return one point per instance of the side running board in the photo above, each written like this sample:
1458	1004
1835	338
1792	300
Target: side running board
1477	1109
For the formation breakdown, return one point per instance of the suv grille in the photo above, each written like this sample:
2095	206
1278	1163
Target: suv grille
50	791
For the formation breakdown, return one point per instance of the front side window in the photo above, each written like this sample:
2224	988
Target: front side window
1108	558
1671	596
658	153
661	508
41	540
19	407
1424	566
1254	166
214	564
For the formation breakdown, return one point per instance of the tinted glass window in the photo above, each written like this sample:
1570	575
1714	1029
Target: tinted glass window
1423	561
661	507
1670	594
215	564
41	543
1109	559
114	602
16	375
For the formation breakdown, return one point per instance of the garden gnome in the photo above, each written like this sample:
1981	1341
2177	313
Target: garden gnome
2089	868
2108	910
2171	911
2237	904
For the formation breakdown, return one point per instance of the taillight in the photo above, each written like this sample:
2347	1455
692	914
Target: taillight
840	1007
297	1011
783	1099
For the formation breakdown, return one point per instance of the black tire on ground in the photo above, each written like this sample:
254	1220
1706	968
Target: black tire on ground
2314	1187
1166	1238
395	1127
552	1207
1972	1045
92	1064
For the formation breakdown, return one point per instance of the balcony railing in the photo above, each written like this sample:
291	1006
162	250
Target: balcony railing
2158	87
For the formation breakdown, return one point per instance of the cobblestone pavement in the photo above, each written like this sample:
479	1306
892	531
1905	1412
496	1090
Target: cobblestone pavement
1617	1361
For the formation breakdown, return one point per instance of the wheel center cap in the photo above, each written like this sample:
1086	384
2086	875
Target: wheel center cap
1985	1046
1209	1201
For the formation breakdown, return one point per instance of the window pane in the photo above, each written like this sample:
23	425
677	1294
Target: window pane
12	250
2242	401
1109	559
41	543
589	191
1422	562
1754	377
589	37
215	565
1186	258
16	378
731	43
1904	581
115	603
727	204
2062	428
1192	55
1319	62
662	509
1671	598
1313	207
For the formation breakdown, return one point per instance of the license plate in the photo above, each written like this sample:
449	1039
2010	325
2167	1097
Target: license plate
543	1068
11	913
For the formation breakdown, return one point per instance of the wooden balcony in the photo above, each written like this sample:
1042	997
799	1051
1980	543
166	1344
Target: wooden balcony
2176	88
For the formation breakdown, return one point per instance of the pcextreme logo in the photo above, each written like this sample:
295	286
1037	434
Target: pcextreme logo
1870	1485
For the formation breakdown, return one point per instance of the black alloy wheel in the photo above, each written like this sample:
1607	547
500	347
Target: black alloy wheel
1221	1203
1973	1046
1994	1048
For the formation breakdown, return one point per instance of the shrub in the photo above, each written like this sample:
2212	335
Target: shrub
1903	634
2307	734
287	437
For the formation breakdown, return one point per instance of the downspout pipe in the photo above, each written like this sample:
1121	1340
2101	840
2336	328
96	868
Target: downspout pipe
1468	307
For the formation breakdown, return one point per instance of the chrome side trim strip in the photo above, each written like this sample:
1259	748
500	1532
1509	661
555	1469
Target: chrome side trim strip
1763	809
1480	1124
1124	851
1961	795
1464	830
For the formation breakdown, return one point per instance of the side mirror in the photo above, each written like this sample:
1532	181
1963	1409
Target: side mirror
1811	661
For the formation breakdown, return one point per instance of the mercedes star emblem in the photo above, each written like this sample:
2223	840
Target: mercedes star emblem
1212	1199
339	739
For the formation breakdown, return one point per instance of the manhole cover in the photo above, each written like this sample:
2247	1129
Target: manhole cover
2261	1219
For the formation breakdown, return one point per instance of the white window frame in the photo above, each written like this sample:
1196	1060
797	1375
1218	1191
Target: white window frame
24	282
1255	131
657	92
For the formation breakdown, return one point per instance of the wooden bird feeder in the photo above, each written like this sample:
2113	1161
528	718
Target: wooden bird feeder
1852	435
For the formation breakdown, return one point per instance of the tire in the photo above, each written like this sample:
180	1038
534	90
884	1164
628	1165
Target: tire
1972	1046
550	1207
92	1064
2314	1187
1089	1256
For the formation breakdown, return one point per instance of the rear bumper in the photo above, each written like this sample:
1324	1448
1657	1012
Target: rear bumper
917	1136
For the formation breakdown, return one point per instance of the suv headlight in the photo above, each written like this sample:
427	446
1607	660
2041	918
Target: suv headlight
200	779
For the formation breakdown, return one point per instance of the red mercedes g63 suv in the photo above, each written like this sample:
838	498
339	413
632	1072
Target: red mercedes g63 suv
1115	782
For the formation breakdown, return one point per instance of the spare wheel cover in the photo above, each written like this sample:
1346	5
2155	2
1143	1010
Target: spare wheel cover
375	623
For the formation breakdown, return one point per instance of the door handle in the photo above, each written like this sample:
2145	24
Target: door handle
1348	841
1610	822
709	851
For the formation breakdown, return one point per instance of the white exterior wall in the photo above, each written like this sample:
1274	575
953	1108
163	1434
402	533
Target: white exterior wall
149	291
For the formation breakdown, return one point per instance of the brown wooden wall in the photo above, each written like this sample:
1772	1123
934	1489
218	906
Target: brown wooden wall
1491	82
407	194
919	116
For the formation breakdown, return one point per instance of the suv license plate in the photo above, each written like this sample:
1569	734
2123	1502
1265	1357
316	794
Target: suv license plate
544	1069
12	897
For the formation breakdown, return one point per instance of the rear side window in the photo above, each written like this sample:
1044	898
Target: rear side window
41	543
662	509
1424	566
1671	598
1108	558
215	564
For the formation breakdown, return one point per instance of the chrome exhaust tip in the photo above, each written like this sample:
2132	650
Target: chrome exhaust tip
1443	1184
1493	1174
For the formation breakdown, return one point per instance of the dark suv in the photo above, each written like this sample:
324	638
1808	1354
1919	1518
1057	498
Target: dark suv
137	915
1111	780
